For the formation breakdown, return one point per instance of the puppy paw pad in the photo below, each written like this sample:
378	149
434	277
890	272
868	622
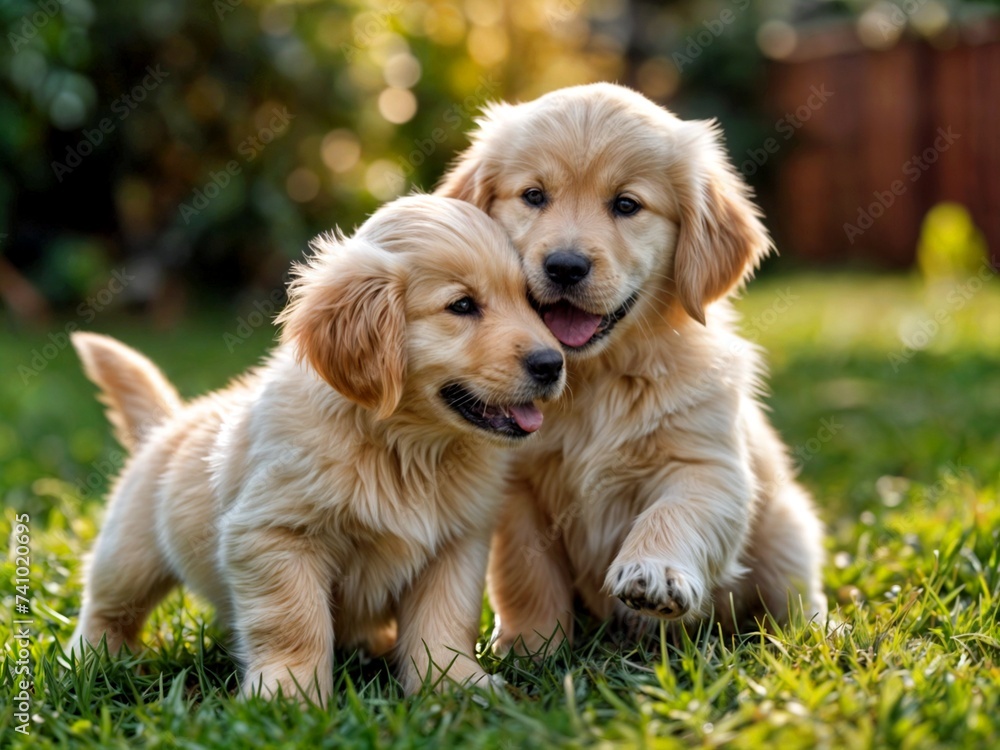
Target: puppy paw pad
654	590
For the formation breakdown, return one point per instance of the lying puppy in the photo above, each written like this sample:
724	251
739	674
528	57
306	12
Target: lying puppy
351	482
659	484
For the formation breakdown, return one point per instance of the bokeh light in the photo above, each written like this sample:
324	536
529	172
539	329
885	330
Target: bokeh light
341	150
302	185
397	105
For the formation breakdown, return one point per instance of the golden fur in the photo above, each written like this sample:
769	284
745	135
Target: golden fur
311	514
658	482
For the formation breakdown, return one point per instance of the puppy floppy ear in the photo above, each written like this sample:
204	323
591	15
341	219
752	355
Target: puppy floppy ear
721	239
472	176
346	318
467	180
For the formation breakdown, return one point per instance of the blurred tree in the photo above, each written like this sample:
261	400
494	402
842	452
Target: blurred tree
211	141
198	141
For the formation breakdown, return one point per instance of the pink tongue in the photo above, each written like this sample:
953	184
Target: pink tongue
527	416
571	325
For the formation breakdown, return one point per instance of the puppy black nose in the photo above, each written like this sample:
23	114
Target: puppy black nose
566	268
544	365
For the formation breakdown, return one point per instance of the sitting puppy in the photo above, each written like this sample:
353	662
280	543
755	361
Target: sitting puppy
349	485
659	485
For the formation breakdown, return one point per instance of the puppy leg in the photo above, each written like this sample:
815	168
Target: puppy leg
127	575
280	585
785	557
374	634
687	541
126	579
439	617
529	580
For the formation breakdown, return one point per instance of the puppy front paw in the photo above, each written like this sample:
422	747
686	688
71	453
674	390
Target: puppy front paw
486	688
465	678
524	641
494	684
656	588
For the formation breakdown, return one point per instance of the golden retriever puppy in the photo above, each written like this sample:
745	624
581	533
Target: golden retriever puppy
349	485
659	484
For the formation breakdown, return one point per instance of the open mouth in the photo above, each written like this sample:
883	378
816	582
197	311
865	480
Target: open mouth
516	420
576	328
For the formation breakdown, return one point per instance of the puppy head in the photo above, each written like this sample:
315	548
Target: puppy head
613	202
424	314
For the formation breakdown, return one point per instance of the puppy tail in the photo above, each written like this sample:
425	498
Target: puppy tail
136	393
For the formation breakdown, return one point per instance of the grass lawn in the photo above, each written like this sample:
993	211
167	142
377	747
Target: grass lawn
900	447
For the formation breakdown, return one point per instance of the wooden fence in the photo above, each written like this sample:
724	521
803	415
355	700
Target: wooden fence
905	128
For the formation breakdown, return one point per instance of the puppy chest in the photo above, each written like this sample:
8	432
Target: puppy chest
591	486
582	465
374	571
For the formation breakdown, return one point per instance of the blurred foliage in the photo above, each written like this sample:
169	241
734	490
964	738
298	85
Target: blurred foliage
123	119
209	141
950	244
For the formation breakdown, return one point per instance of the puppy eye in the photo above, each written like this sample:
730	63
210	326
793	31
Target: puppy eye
624	206
534	197
464	306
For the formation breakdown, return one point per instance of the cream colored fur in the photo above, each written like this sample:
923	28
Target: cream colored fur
658	482
330	495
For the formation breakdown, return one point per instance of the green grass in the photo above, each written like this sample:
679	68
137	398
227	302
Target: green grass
903	459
